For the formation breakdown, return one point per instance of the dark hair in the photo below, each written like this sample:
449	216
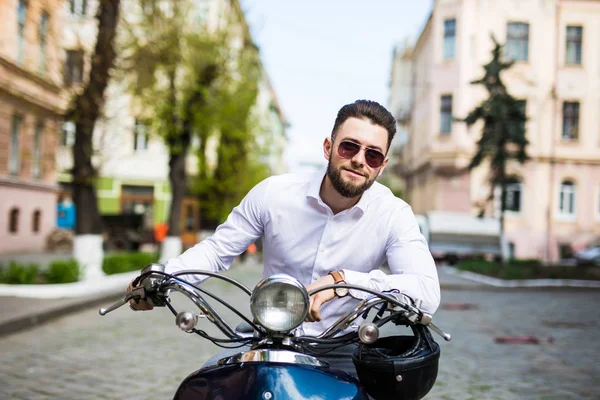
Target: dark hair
371	110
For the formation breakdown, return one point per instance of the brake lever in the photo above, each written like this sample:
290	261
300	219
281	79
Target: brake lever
138	293
427	320
415	315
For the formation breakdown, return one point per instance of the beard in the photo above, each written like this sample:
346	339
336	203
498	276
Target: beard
347	189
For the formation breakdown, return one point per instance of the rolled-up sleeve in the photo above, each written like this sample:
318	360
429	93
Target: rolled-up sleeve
216	253
413	270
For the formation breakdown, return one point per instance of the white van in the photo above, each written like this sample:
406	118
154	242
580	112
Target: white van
452	236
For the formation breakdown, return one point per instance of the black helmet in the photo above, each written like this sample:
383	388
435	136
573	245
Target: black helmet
398	367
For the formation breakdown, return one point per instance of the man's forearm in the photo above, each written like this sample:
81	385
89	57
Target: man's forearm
424	288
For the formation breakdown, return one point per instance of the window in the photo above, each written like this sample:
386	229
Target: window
514	196
517	41
37	150
565	251
136	199
13	220
67	138
43	41
446	114
511	250
574	38
15	160
202	9
21	20
514	193
36	221
566	203
135	190
570	120
140	136
77	7
449	38
74	67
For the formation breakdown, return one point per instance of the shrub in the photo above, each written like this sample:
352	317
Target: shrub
526	261
528	269
63	271
117	263
20	274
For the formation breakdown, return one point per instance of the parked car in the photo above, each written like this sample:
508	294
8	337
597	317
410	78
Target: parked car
588	256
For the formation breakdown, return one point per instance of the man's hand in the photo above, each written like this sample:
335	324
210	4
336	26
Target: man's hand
318	299
138	305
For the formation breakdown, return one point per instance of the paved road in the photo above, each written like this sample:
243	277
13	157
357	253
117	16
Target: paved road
129	355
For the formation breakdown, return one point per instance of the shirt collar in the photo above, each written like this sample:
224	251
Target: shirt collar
314	190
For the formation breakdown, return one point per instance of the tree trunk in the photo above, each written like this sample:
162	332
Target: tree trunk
178	149
204	79
503	241
177	178
179	144
87	220
84	111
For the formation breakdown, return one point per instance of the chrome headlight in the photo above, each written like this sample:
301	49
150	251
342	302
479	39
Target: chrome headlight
279	303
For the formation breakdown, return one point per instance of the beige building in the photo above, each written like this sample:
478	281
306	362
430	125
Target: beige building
29	111
554	200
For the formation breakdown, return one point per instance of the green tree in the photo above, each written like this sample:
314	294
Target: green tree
393	183
192	82
239	163
503	136
169	67
84	111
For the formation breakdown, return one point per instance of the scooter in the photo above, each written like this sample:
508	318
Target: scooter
278	361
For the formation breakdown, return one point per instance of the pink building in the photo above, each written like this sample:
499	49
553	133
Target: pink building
29	111
554	200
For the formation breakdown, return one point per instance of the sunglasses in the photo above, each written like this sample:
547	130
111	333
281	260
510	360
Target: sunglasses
374	158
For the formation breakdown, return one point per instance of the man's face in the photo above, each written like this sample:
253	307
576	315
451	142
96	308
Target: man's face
351	177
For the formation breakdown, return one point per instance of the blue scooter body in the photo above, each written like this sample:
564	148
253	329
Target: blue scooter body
267	381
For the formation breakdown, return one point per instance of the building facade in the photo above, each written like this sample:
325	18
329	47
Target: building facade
30	75
554	199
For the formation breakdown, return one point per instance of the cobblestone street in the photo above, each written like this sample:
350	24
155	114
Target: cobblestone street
128	355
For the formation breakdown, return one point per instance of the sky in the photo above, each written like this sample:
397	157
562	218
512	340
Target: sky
323	54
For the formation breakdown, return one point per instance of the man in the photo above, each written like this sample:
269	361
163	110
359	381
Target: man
329	227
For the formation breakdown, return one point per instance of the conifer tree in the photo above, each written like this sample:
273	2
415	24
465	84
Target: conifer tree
503	135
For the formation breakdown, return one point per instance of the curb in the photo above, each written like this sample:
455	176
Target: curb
487	282
507	289
37	318
80	289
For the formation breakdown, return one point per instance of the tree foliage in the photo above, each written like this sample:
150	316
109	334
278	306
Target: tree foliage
503	136
196	83
239	162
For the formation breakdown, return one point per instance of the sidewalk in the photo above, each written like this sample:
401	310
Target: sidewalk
450	281
24	306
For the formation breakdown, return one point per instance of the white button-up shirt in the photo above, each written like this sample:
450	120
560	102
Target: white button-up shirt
303	238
